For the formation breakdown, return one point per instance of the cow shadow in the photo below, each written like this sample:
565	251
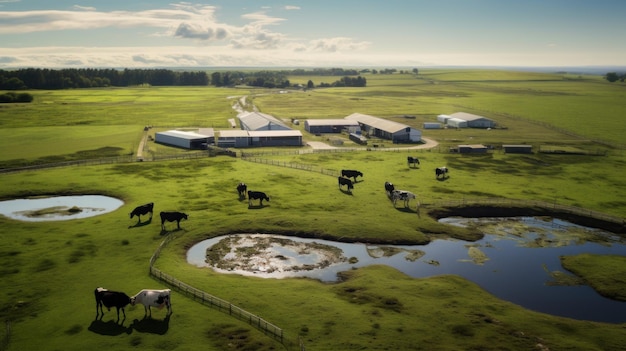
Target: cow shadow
443	179
347	192
140	224
165	231
152	326
111	328
405	210
257	207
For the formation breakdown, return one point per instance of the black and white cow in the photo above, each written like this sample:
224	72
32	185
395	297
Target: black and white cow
108	299
153	298
350	173
242	188
389	188
441	171
412	160
171	217
142	210
403	195
257	195
345	181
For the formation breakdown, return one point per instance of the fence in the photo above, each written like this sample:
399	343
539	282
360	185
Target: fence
212	301
4	343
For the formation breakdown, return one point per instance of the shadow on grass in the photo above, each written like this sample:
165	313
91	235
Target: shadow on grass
152	326
140	224
257	207
347	192
111	327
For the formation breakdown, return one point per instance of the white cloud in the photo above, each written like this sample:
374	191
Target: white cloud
337	44
291	7
83	8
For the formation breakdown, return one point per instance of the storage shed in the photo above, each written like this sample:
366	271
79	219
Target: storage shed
518	149
245	138
385	129
474	121
324	126
233	138
432	125
443	118
184	139
472	149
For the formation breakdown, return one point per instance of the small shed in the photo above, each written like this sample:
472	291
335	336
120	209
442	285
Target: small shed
474	121
472	149
432	125
443	118
518	149
184	139
233	138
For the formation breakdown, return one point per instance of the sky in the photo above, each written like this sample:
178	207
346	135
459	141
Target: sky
311	33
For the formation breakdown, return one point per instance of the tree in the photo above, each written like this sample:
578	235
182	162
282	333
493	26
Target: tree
310	85
612	77
415	70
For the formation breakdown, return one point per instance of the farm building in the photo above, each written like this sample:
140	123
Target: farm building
456	123
249	138
385	129
518	149
186	139
443	118
432	125
474	121
260	121
472	149
322	126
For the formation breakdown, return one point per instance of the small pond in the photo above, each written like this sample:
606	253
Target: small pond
58	208
517	260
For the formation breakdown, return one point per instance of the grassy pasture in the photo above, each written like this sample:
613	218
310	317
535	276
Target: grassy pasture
49	270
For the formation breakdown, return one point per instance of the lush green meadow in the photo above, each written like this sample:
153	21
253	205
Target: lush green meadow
50	269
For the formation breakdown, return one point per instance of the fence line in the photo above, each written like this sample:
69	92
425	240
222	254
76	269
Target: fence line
4	344
212	301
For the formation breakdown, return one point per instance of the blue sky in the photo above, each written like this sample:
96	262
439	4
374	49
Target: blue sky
312	33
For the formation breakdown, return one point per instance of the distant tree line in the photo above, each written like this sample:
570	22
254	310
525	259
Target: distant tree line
614	77
43	78
278	79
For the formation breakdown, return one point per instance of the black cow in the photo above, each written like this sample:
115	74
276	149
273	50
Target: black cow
257	195
441	171
349	173
142	210
345	181
110	299
242	188
171	217
412	160
389	188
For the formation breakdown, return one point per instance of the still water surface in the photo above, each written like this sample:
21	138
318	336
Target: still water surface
57	208
516	268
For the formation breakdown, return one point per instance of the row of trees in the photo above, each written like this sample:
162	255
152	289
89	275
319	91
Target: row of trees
614	77
42	78
12	97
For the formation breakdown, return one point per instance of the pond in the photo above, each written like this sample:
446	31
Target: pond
58	208
517	260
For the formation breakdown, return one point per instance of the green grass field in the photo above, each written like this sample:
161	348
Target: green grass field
50	269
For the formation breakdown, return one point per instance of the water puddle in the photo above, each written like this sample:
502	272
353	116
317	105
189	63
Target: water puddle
58	208
517	260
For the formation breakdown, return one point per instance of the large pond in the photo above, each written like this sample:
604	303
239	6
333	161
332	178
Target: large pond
517	260
58	208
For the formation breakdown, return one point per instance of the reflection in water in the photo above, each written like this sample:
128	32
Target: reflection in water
517	260
58	208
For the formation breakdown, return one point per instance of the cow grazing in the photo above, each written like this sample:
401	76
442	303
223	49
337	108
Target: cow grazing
403	195
108	299
153	298
171	217
142	210
242	188
441	172
412	161
389	188
345	181
349	173
257	195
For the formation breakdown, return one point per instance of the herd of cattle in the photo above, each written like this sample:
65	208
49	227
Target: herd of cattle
148	298
165	216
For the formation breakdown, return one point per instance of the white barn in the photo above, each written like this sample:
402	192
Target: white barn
474	121
260	121
186	139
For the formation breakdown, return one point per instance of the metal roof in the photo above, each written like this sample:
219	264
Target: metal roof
258	120
378	123
467	116
183	134
332	122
